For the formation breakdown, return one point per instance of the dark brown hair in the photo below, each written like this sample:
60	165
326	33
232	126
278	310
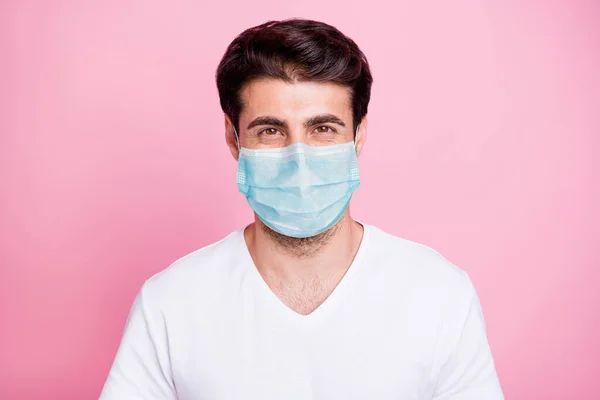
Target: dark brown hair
293	50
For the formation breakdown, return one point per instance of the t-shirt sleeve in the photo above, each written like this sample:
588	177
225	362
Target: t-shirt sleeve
141	369
467	370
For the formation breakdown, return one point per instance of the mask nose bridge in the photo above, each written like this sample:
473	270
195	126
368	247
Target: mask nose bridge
304	175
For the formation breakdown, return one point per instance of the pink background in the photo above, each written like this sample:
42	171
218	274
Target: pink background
484	124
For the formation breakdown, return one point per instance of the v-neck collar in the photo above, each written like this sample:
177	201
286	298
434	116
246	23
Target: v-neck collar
331	302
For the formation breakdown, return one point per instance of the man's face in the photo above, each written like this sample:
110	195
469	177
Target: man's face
278	114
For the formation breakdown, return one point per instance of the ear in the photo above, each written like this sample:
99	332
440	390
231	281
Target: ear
230	138
361	135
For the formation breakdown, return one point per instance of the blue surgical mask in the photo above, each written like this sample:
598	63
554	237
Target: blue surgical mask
299	190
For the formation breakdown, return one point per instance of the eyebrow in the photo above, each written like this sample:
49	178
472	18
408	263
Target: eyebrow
317	119
267	121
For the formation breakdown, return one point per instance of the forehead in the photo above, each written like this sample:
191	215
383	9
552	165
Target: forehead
295	100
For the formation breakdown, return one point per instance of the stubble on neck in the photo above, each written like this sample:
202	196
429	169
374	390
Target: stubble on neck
302	248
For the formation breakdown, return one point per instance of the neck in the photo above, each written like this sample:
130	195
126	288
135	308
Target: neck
330	252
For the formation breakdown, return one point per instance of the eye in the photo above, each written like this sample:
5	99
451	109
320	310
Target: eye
324	129
269	132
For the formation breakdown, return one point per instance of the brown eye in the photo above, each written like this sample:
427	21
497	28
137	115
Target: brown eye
323	129
269	131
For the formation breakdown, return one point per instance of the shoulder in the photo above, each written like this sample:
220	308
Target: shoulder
420	268
197	272
417	279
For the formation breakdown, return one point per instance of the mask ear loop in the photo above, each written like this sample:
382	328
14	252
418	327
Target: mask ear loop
355	135
237	138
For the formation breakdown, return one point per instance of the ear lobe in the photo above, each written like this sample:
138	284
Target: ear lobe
230	138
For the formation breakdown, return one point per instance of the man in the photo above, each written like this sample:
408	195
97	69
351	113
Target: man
305	303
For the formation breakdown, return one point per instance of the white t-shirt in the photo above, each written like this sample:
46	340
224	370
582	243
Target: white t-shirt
403	323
